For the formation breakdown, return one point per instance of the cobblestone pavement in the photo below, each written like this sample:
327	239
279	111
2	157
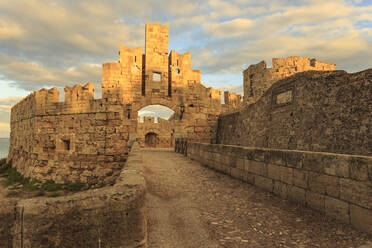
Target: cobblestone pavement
192	206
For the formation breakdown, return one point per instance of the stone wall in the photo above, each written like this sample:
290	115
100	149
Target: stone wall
163	129
80	139
340	186
311	111
84	139
258	78
112	216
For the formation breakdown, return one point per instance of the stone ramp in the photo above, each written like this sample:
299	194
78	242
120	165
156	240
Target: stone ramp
192	206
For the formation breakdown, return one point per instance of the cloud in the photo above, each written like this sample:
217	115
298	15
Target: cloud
156	111
65	42
5	106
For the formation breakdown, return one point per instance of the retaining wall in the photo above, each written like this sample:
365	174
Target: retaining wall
340	186
113	216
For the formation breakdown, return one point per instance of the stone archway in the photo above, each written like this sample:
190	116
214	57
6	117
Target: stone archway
151	139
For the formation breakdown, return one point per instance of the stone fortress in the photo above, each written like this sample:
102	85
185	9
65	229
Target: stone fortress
302	131
85	139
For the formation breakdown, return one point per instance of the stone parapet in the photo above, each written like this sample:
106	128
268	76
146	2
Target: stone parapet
113	216
340	186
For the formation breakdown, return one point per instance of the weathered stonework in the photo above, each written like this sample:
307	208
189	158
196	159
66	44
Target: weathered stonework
258	78
327	111
339	196
85	139
155	134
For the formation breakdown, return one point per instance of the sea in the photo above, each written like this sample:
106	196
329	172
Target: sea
4	147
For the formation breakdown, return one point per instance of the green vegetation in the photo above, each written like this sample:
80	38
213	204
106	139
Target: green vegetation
17	183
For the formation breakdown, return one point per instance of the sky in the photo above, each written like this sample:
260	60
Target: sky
47	43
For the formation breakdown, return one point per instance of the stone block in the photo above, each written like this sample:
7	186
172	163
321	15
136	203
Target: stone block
337	209
240	163
359	193
258	168
315	201
313	162
317	182
259	155
276	157
263	183
293	158
249	177
300	178
337	165
273	171
237	173
359	168
286	175
280	189
332	186
296	194
324	184
361	218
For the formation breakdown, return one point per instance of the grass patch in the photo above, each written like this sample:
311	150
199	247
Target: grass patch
13	177
17	183
4	166
54	194
12	193
50	185
74	187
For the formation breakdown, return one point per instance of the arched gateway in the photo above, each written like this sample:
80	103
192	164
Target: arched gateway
155	77
97	131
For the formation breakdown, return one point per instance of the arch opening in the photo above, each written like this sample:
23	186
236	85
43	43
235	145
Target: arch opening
151	140
155	126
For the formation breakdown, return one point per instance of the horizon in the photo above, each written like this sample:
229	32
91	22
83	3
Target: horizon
59	43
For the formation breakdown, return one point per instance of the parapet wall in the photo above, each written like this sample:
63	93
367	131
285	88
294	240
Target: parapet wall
80	139
311	111
113	216
340	186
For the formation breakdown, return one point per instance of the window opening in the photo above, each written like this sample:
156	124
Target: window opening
156	76
66	144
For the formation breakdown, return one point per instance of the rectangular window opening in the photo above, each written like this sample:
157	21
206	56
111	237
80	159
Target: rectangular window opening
156	76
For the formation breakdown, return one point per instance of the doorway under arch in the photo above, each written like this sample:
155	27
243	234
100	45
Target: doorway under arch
151	139
155	126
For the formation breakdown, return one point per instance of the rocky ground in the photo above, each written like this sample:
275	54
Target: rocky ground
192	206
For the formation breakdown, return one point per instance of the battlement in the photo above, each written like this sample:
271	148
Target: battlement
258	78
232	100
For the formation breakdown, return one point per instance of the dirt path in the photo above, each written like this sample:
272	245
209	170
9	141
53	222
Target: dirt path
190	206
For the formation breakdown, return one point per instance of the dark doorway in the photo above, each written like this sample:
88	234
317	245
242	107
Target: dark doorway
151	140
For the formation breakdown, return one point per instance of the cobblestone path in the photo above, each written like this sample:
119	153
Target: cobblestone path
191	206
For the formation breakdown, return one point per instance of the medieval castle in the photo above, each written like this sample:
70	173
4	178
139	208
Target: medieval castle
85	139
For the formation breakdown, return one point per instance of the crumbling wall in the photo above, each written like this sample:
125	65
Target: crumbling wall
80	139
311	111
232	101
258	78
